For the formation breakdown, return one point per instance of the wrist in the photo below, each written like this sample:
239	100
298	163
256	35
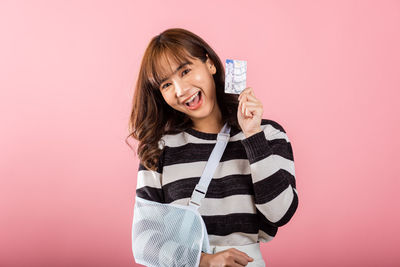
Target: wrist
248	134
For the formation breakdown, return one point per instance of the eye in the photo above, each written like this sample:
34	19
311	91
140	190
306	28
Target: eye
164	86
185	70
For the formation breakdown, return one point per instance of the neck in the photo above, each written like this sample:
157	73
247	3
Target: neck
211	124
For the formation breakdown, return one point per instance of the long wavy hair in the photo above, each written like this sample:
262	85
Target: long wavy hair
151	116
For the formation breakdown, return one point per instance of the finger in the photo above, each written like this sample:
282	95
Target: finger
244	111
252	103
248	105
240	260
248	97
241	95
251	91
248	90
240	108
252	98
243	106
254	110
248	109
241	253
234	264
248	114
251	111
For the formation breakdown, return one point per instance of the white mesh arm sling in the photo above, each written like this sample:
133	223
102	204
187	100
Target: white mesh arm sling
173	235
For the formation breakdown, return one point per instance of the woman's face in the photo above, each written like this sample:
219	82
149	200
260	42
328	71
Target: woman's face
192	81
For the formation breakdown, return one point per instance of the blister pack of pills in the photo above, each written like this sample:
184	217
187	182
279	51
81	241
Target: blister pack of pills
235	76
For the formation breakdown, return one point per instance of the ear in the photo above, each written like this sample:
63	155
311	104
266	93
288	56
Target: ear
210	65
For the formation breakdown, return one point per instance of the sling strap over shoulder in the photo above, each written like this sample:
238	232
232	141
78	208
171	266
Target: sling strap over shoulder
201	188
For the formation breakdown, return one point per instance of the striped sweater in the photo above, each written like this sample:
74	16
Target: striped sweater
253	190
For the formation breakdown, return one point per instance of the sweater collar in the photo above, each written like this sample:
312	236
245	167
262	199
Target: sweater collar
209	136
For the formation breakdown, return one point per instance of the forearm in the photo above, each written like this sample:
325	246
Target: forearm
273	175
204	260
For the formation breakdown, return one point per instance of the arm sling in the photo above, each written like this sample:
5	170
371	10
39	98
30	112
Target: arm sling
171	234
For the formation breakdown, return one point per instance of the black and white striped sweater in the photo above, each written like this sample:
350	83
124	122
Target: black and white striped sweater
253	190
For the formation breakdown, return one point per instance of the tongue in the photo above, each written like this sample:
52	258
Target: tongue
195	101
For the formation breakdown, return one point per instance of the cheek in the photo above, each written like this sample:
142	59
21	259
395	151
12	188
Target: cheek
167	99
171	100
198	77
205	80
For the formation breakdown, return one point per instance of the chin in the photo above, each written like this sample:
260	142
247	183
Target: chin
204	114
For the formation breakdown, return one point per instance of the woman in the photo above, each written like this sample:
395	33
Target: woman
179	106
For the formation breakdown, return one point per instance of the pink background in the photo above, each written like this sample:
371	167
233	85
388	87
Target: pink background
328	71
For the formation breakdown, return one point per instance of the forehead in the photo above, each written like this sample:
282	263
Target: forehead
166	62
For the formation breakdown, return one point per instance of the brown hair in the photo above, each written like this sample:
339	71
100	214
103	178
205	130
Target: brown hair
151	116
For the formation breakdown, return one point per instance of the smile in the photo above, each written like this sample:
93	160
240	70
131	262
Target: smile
195	101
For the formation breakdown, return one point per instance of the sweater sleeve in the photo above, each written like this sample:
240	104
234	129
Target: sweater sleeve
272	170
149	182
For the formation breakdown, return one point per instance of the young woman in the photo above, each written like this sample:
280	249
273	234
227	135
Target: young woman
179	107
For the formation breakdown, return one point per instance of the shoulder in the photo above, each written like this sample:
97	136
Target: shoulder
271	125
273	130
181	139
171	140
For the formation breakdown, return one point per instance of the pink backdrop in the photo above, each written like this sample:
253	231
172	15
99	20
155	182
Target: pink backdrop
328	71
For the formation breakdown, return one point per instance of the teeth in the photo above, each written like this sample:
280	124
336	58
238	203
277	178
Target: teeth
191	99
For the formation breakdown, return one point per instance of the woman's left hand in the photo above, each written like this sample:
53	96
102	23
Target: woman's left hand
250	111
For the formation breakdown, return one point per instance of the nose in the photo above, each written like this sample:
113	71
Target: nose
181	88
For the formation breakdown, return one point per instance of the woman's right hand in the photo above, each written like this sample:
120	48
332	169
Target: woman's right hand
230	258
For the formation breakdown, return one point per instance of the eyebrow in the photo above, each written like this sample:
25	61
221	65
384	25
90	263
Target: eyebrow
177	69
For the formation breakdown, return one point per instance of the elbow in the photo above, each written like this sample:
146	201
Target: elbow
280	210
289	213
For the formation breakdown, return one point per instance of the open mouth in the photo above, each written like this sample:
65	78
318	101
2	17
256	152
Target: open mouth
195	101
